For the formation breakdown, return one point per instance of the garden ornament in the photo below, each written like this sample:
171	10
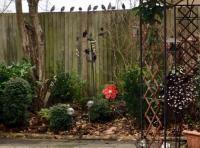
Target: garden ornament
142	143
70	111
167	145
90	103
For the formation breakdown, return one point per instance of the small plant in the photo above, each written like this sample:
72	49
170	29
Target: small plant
59	118
67	88
44	113
131	90
16	100
100	111
21	69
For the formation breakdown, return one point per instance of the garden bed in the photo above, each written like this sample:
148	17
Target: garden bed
118	129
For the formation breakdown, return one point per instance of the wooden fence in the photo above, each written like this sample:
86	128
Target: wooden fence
65	42
115	32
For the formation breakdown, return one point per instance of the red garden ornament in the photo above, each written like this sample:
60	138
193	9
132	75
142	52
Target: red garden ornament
110	92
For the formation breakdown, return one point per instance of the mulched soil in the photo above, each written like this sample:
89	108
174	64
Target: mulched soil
121	128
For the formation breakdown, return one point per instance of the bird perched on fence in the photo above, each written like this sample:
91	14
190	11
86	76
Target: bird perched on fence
52	8
123	6
95	8
80	9
109	6
113	7
89	8
103	7
62	9
71	9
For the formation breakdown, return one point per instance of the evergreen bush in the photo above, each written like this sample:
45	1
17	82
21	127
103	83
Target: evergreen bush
59	118
15	101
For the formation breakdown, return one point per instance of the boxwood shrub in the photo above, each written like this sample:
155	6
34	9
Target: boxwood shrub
15	101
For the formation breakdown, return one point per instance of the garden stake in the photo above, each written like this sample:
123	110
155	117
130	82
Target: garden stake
92	59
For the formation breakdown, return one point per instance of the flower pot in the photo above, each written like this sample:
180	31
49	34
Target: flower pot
193	138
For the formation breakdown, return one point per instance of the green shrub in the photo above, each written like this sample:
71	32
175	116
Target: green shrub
67	88
17	98
100	111
21	69
44	113
1	106
59	118
131	93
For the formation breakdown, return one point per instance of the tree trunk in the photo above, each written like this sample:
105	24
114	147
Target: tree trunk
37	38
22	28
33	45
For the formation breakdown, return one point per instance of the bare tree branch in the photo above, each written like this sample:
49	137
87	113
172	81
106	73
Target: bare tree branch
6	6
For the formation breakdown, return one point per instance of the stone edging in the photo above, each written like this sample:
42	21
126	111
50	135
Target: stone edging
64	137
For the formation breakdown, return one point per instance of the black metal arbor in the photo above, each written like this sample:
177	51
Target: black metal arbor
170	68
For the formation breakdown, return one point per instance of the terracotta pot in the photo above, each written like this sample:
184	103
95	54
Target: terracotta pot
193	138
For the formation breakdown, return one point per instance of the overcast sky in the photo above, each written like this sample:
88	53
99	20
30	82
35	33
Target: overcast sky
45	5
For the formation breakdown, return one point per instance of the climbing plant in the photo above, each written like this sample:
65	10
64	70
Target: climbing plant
150	11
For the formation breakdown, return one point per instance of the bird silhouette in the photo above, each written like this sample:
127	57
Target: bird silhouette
52	8
113	7
109	6
123	6
89	8
62	9
80	9
71	9
95	8
103	7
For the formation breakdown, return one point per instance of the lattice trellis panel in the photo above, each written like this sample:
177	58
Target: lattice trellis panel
188	27
152	60
151	97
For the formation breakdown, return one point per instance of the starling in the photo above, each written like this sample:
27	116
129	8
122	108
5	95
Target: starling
62	9
89	8
109	6
113	7
80	9
123	6
52	8
103	7
95	8
71	9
